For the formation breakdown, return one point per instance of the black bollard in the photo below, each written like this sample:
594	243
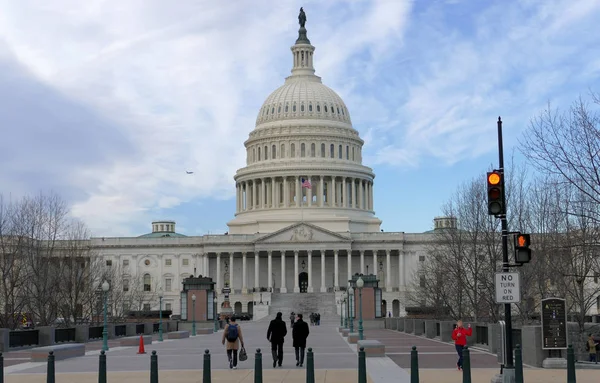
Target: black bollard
258	367
518	364
571	365
1	368
362	366
102	367
153	368
414	365
466	365
206	377
50	378
310	366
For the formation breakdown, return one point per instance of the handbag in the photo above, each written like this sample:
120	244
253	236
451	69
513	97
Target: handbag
243	356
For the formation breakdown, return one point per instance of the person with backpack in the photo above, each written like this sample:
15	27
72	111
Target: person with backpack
299	334
233	336
276	334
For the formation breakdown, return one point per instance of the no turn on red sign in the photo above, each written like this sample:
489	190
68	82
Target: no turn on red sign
508	289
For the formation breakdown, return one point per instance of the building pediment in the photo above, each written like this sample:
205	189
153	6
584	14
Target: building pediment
302	233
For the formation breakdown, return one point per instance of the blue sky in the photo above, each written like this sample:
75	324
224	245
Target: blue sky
109	102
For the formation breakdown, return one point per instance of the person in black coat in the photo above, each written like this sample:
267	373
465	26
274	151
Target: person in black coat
276	334
299	334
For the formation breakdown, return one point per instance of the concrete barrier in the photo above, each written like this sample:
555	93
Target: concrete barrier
353	337
204	331
419	327
345	332
178	335
61	351
135	341
373	348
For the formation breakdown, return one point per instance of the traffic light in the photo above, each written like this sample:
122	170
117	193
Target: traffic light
522	250
495	186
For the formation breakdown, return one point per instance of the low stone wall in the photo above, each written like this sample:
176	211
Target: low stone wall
60	351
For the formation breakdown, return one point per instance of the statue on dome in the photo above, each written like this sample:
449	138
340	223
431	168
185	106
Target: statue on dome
302	18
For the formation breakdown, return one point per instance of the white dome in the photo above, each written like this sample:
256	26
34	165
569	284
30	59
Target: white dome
303	97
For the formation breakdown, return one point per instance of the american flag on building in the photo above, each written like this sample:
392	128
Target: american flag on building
306	184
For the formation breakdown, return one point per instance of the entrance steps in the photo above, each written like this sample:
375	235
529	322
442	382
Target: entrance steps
304	303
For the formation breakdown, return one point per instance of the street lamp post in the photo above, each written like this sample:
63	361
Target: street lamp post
341	313
351	294
193	314
160	328
215	313
346	312
105	287
360	283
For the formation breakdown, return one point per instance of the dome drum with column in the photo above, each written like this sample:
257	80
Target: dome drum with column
304	133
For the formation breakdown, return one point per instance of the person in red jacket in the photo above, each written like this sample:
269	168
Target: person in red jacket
459	335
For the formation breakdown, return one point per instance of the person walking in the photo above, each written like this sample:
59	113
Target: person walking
292	318
459	335
299	334
276	335
591	346
233	336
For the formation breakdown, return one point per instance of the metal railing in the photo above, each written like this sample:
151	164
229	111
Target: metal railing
120	330
22	338
62	335
95	332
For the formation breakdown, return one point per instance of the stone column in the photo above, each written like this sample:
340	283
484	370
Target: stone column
401	268
344	193
231	278
336	270
298	191
309	192
283	283
333	192
247	196
274	199
362	261
375	265
205	269
256	274
244	271
349	251
219	273
322	193
270	269
361	203
262	193
323	287
253	204
310	284
352	193
296	282
286	192
388	271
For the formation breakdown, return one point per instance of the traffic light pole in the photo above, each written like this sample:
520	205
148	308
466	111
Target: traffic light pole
508	374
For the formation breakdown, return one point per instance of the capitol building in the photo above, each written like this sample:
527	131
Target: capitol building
305	217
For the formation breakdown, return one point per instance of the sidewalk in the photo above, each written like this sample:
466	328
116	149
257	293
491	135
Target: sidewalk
484	375
195	376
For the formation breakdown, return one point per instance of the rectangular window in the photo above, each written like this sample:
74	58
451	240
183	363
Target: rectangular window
146	306
422	281
108	262
168	284
126	285
125	262
421	258
186	262
167	262
167	306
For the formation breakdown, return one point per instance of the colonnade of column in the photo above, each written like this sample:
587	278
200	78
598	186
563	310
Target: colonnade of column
309	254
286	192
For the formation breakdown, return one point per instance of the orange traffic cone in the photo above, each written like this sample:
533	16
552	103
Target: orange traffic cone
141	349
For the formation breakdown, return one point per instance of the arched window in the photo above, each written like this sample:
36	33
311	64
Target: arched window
282	151
325	108
347	152
310	107
274	152
332	110
312	150
267	152
302	107
332	151
323	150
353	153
279	109
267	111
318	108
294	108
147	282
293	150
343	111
286	108
339	152
338	109
302	150
259	153
253	154
273	110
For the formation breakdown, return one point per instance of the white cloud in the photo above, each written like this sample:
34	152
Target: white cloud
184	81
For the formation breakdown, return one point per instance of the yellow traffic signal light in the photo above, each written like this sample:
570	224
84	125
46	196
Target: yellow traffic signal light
522	250
495	186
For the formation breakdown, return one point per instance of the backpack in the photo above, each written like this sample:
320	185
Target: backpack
232	333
